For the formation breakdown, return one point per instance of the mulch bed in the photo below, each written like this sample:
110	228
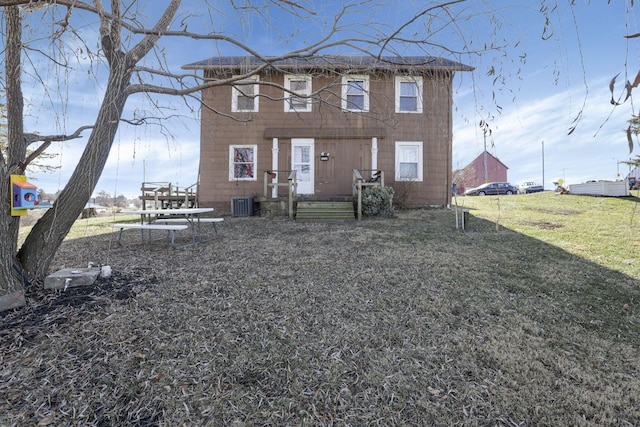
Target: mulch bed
382	322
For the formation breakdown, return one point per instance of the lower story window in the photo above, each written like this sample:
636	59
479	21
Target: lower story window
409	161
242	162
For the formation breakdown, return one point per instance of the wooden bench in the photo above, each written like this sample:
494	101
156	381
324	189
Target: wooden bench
165	227
213	221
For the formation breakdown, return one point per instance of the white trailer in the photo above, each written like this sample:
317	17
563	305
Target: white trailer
601	188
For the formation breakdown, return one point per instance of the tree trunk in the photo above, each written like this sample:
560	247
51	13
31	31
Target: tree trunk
11	285
89	213
34	257
47	234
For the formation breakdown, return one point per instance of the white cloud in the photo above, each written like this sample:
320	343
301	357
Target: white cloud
590	152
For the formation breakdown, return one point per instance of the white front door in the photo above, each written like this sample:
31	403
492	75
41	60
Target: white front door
302	161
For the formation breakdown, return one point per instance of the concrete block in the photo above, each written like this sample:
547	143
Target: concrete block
12	300
71	278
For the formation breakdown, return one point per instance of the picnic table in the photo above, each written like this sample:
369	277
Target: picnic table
170	220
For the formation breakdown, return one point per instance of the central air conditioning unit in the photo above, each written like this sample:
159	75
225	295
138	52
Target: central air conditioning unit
241	206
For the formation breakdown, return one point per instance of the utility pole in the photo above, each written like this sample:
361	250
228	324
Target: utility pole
485	130
543	165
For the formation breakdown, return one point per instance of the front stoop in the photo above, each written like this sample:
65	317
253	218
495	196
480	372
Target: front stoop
314	211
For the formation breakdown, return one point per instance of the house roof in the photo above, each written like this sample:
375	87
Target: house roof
333	62
491	155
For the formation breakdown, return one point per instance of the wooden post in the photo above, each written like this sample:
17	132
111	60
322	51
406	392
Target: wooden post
266	186
359	200
292	192
357	179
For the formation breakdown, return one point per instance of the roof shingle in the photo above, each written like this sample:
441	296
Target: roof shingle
330	62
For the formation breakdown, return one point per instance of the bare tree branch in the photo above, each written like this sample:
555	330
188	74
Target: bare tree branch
30	138
33	155
411	21
143	47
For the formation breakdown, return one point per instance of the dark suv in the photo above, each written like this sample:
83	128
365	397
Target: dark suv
492	189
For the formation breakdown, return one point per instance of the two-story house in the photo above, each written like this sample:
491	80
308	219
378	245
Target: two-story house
323	117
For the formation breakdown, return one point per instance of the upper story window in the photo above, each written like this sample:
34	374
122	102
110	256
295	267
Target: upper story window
244	95
409	161
408	94
242	162
355	93
300	85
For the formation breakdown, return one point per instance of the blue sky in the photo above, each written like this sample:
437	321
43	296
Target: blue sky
563	78
538	88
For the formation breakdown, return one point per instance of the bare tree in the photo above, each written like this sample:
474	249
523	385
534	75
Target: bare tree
127	58
124	42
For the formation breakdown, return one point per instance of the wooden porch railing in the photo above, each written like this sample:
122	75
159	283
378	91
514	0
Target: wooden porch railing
188	192
165	195
376	180
291	184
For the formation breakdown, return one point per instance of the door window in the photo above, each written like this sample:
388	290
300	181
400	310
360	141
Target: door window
302	161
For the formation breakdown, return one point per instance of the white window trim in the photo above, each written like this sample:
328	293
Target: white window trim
231	162
345	86
418	145
237	91
413	79
288	95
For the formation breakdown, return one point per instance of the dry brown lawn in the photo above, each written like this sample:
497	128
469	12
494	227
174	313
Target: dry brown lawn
402	321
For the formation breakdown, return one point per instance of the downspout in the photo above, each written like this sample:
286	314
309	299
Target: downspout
374	153
449	177
274	166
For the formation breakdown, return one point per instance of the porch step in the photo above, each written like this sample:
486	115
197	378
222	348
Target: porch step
325	211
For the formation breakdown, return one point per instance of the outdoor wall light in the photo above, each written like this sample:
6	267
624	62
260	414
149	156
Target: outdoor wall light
324	156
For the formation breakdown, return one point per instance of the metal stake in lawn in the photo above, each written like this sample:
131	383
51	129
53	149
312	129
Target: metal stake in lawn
454	191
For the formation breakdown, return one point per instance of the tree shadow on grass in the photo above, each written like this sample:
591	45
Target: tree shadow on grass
404	320
586	293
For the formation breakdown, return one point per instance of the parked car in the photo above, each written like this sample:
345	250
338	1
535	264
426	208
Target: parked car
530	187
492	189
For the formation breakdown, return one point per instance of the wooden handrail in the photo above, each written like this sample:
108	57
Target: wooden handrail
293	186
158	190
291	183
357	178
376	180
267	184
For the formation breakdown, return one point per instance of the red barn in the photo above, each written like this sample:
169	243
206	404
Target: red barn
475	173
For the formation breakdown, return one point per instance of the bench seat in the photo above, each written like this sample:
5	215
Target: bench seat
171	228
213	221
184	220
166	227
